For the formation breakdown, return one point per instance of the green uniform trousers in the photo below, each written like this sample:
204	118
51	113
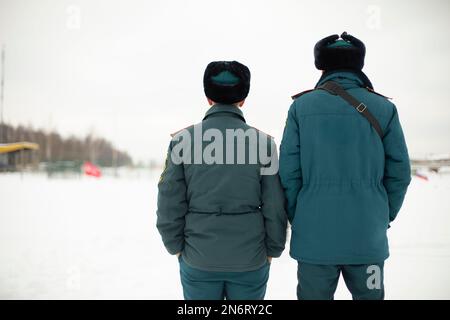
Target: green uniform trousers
210	285
319	282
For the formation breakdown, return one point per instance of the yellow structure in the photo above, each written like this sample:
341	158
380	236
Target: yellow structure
17	146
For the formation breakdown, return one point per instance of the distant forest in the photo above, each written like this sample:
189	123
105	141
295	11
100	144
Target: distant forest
53	147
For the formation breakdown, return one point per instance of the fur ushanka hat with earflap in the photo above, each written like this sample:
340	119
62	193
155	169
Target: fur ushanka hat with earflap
330	53
226	82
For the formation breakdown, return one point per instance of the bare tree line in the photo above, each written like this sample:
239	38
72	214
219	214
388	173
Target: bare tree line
53	147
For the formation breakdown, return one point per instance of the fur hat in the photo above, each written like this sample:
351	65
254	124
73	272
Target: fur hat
226	81
330	53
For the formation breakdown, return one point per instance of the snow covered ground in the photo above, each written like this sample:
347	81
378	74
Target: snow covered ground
96	239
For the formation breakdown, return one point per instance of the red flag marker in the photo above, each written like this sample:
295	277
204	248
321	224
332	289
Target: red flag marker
91	169
422	176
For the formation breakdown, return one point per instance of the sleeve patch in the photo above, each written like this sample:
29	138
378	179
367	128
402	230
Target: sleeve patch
166	162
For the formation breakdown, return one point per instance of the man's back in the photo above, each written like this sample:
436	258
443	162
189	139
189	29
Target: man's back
234	216
212	188
342	209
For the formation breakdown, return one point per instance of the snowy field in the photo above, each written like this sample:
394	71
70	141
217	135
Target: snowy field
87	238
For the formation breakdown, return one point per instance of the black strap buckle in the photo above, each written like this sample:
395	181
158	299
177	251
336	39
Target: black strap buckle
361	108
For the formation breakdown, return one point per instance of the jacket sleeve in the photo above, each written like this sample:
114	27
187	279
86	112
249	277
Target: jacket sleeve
290	163
172	205
397	170
273	207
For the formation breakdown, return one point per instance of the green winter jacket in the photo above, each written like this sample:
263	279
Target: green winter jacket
222	217
343	183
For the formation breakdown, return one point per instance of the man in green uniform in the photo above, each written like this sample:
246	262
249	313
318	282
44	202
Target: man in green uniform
220	200
345	169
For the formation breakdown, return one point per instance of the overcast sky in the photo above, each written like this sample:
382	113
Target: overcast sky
132	70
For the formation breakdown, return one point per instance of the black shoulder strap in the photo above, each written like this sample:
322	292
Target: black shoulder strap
335	89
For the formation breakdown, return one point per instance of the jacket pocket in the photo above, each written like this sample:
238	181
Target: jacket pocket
300	197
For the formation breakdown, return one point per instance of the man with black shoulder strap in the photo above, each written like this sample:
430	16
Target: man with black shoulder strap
221	206
345	170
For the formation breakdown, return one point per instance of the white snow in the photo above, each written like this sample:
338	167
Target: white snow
88	238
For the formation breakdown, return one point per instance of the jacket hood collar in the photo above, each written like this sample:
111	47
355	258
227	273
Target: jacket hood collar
346	78
225	108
